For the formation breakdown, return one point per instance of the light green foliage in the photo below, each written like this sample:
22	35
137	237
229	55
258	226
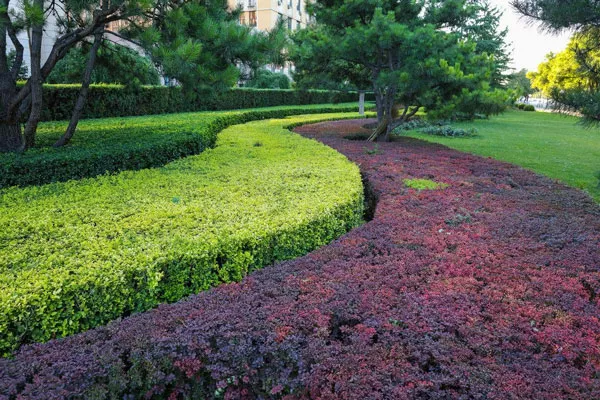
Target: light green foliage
549	144
575	68
424	184
557	71
75	255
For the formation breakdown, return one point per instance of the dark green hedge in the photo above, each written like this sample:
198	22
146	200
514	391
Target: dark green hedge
117	101
117	144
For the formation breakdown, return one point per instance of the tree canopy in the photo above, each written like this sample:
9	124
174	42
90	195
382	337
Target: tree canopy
520	83
572	77
557	15
75	21
428	53
114	64
203	46
199	44
575	68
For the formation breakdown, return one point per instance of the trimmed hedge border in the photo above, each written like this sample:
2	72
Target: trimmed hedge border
487	289
131	143
76	255
118	101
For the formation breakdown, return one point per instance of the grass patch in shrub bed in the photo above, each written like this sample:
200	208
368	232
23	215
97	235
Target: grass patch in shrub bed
424	184
117	144
78	254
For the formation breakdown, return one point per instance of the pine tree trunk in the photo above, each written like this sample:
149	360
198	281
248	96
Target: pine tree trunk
384	116
36	80
81	100
11	139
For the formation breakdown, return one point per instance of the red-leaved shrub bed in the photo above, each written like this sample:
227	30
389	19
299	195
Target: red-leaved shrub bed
487	289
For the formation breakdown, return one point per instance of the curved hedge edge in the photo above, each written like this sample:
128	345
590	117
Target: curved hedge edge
230	262
20	170
291	127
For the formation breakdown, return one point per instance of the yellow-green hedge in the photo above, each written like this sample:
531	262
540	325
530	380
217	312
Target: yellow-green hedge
75	255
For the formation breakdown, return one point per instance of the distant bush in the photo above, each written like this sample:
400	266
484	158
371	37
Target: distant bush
437	128
412	125
448	131
265	79
76	255
525	107
114	64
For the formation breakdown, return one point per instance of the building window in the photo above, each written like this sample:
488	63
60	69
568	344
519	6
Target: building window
252	18
252	3
290	24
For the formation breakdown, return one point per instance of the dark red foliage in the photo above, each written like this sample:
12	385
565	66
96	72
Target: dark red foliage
488	289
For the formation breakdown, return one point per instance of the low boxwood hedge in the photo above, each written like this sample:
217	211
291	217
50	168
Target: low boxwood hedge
77	254
118	101
117	144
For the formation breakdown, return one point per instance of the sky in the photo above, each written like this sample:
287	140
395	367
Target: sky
529	44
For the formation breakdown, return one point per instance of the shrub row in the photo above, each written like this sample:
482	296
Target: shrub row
525	107
117	144
78	254
487	289
118	101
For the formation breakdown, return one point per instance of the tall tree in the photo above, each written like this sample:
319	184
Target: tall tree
520	84
317	66
418	53
557	15
572	77
484	28
76	20
202	45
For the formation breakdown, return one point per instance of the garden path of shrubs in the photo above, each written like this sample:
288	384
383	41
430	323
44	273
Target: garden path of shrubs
488	288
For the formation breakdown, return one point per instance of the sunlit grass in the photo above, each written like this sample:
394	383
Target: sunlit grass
549	144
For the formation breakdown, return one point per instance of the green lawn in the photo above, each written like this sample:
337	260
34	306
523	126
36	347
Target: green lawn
549	144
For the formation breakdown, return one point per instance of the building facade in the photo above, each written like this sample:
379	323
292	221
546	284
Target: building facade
264	14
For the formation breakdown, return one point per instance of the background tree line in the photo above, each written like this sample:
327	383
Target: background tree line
572	77
447	57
